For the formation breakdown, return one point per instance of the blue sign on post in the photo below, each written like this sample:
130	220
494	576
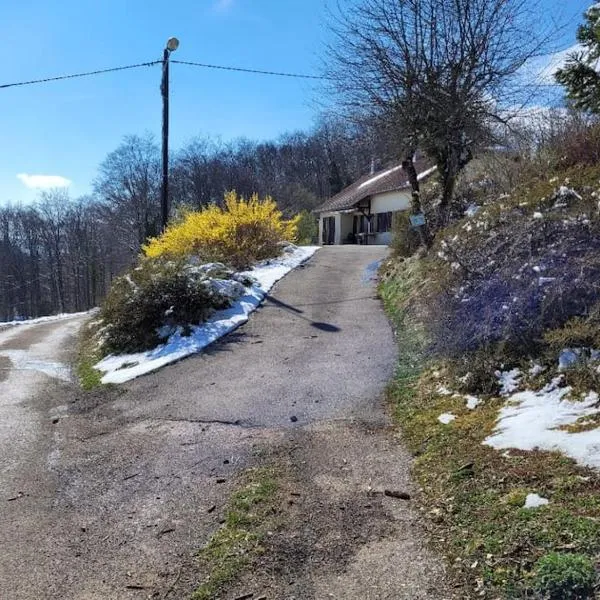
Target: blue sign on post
417	220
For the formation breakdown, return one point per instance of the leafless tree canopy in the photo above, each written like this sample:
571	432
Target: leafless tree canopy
433	72
61	254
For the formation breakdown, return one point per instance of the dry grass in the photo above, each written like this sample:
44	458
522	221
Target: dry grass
473	494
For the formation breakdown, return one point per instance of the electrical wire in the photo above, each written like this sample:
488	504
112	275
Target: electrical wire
73	76
243	70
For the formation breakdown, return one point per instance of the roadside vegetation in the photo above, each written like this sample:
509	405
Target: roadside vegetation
250	515
495	301
192	270
501	313
88	354
239	234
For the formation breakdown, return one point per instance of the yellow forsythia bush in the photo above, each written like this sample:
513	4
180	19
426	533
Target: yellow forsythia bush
239	234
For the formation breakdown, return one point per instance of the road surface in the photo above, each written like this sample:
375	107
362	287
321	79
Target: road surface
106	495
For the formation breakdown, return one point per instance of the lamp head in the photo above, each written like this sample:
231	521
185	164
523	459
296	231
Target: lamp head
172	44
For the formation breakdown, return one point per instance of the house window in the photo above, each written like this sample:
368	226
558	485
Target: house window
384	222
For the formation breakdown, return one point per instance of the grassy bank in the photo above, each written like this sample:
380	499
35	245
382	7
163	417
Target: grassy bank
474	495
88	354
249	516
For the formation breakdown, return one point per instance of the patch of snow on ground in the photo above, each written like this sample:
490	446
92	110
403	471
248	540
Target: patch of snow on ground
47	319
125	367
509	381
535	501
22	361
536	370
472	210
446	418
472	402
532	420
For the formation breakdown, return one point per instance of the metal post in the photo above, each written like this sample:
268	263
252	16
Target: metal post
164	88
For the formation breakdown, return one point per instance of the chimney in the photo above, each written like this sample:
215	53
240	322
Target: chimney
373	163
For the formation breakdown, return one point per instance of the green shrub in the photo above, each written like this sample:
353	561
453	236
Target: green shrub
561	576
153	300
577	332
307	228
474	373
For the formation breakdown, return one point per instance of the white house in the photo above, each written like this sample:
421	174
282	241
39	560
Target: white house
363	212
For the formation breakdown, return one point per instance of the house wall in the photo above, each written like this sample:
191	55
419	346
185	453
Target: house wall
380	203
388	202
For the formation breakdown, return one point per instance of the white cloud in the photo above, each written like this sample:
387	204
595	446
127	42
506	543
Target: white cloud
44	182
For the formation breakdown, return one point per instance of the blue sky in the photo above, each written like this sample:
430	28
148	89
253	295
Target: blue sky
65	129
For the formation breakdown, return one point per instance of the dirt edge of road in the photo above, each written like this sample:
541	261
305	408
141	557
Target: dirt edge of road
341	524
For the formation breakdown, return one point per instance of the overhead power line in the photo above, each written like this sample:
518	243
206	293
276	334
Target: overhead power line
196	64
243	70
75	75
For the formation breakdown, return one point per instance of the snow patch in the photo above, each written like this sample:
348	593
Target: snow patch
472	402
125	367
446	418
59	317
535	501
534	420
370	273
509	381
472	210
536	370
379	176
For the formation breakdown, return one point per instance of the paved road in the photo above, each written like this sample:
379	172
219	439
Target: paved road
107	495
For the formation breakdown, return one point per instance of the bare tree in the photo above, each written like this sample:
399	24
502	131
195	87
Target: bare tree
432	72
128	183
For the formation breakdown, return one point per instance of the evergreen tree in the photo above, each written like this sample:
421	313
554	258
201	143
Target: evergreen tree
580	74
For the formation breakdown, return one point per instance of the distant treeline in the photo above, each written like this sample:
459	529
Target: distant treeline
61	254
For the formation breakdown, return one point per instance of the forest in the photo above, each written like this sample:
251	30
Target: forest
61	253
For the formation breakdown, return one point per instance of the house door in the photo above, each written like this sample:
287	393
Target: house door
328	230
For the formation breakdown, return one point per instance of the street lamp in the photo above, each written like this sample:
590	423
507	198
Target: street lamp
172	45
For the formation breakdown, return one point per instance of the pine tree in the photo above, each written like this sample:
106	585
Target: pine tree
580	74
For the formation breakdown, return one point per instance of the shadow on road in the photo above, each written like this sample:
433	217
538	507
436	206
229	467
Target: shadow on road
327	327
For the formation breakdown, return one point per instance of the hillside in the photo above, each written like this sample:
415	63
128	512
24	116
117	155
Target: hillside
497	388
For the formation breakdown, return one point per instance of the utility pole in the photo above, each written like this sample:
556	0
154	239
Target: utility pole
172	45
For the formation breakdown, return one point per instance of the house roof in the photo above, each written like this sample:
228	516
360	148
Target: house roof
390	180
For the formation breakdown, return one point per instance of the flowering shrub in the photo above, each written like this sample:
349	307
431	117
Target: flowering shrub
239	234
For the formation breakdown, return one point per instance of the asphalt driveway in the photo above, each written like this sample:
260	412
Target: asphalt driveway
108	495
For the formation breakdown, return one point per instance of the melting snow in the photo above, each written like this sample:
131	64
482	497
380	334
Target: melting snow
535	501
370	273
472	402
446	418
533	420
124	367
59	317
536	370
379	176
509	381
